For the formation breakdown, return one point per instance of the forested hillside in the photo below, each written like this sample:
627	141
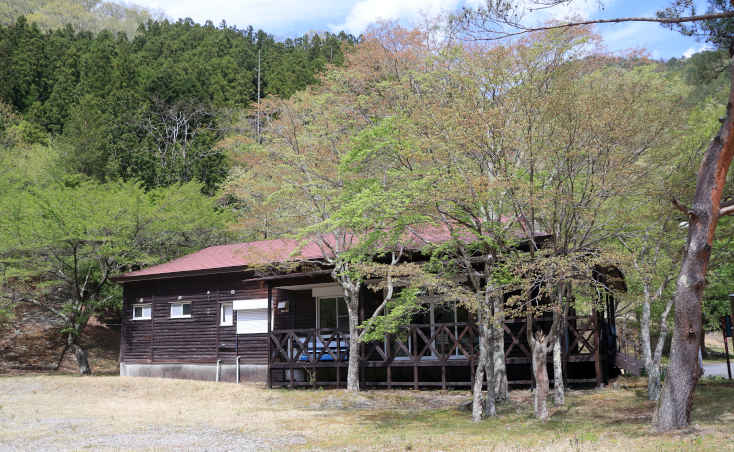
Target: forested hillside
153	107
86	15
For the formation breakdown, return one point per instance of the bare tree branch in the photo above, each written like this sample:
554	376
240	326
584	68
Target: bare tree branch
521	30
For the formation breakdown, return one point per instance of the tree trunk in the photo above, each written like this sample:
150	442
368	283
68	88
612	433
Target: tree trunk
490	409
674	406
653	370
80	354
353	364
559	322
653	381
559	393
540	369
61	357
478	404
501	391
351	297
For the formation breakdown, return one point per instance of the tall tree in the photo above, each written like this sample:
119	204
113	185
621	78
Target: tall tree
305	140
502	19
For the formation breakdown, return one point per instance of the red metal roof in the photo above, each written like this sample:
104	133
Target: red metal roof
234	255
264	252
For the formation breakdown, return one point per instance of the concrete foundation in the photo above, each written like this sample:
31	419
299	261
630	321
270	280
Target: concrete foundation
248	372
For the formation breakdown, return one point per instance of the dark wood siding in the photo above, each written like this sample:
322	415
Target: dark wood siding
136	335
199	339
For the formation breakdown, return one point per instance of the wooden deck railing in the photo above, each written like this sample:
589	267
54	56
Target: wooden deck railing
420	344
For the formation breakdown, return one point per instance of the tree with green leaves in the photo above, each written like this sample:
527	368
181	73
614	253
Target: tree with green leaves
61	242
306	141
500	19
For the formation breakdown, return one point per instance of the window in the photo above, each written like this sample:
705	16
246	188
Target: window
141	311
252	321
225	314
181	310
332	313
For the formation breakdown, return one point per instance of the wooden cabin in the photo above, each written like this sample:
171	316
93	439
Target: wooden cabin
217	314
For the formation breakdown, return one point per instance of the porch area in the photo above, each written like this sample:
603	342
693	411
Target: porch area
438	350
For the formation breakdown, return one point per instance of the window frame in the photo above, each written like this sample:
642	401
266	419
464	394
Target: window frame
181	303
142	312
221	313
336	305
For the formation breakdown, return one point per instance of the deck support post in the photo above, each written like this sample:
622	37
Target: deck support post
388	358
314	359
362	347
237	369
270	330
415	357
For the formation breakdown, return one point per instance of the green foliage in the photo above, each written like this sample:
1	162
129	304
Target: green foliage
151	106
82	15
706	73
62	239
399	312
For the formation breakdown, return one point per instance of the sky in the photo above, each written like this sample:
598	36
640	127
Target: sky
290	18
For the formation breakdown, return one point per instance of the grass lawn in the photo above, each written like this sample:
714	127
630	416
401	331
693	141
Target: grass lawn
62	412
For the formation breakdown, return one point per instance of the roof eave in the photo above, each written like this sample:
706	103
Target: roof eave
122	279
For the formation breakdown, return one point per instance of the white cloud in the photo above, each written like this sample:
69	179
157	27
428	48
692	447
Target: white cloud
366	12
692	50
279	16
574	9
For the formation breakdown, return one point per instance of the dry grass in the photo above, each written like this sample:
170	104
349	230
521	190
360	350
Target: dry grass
66	412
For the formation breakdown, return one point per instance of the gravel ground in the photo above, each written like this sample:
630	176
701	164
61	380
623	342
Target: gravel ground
716	370
82	433
34	416
64	413
80	436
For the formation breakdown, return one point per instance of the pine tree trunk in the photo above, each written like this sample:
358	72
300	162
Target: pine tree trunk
676	399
